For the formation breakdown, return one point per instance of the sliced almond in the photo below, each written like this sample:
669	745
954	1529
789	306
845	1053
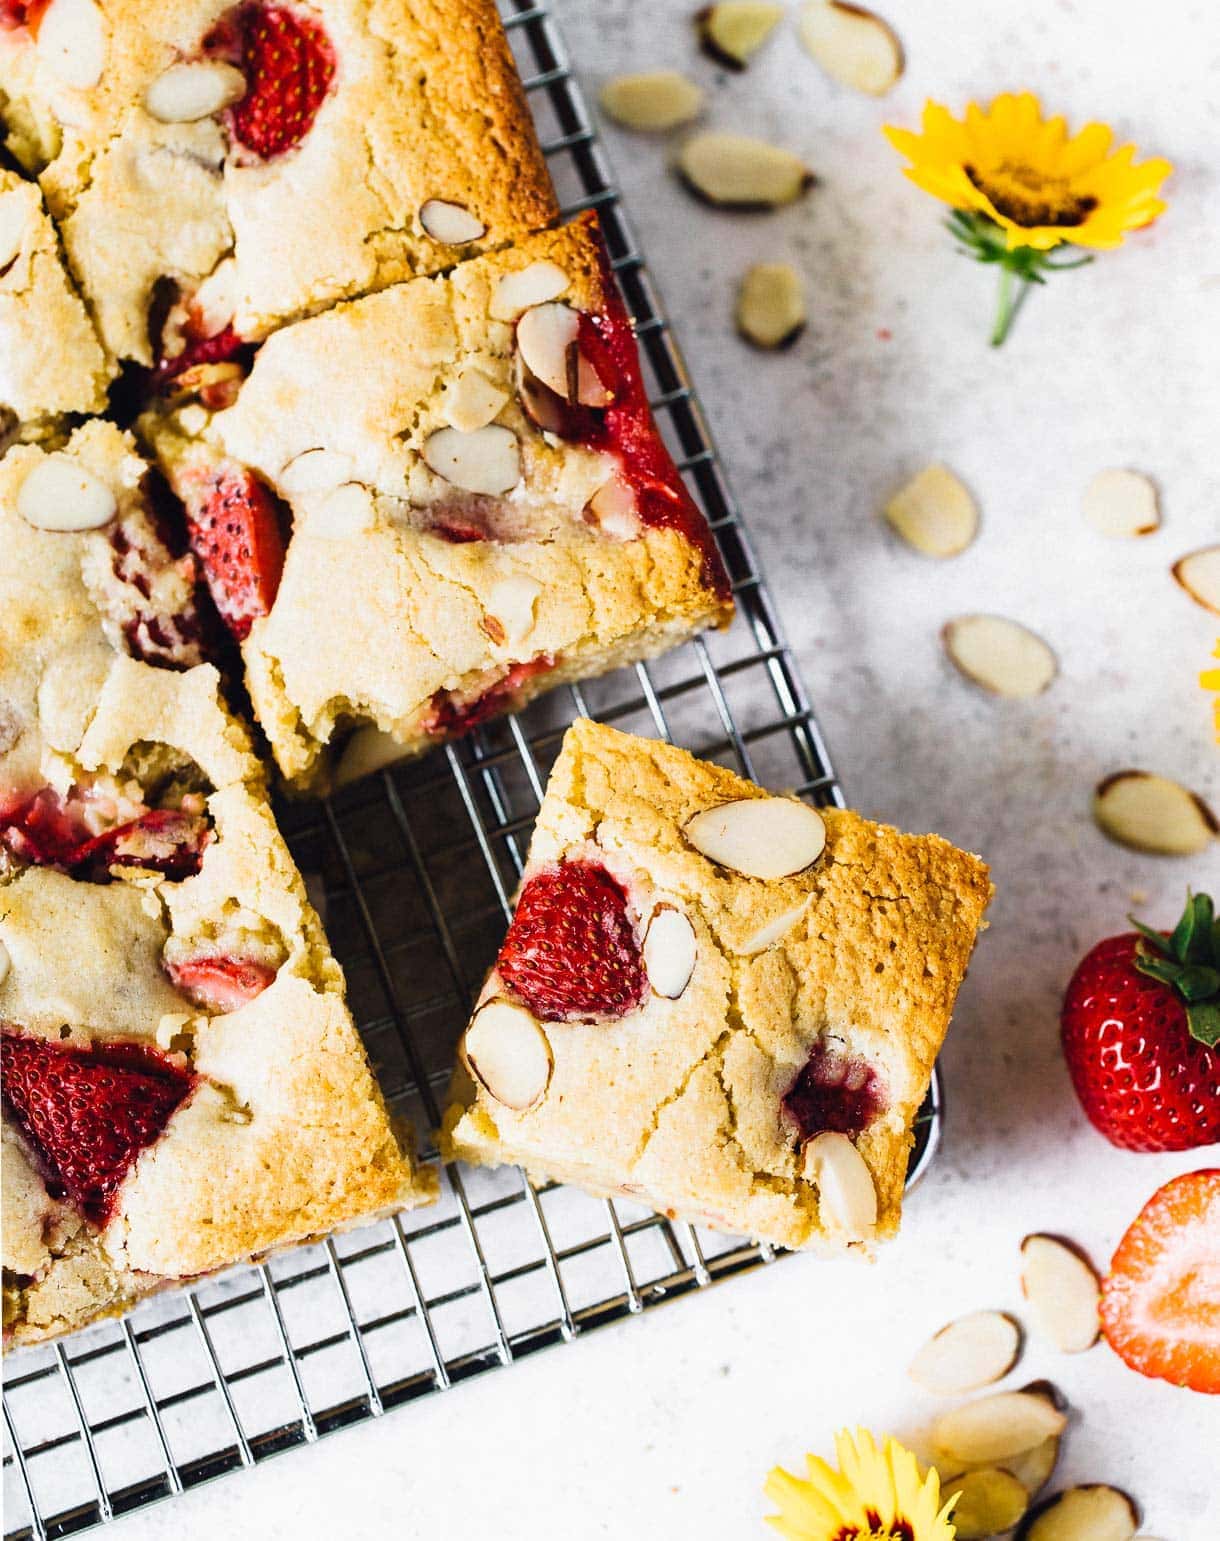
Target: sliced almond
847	1198
60	494
854	46
971	1352
533	285
1199	575
999	655
670	950
994	1428
614	508
760	837
508	1052
451	223
369	749
5	963
934	512
71	42
651	103
767	935
14	217
732	31
184	93
314	470
513	602
1063	1293
548	339
771	305
1120	502
1032	1468
1151	813
471	400
1090	1512
215	300
735	172
487	461
990	1500
342	513
539	402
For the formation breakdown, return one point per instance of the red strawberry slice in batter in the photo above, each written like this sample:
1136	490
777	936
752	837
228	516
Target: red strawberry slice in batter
45	831
289	67
22	13
572	949
88	1113
834	1090
448	718
234	530
219	984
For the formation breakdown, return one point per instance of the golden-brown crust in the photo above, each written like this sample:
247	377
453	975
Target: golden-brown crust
678	1104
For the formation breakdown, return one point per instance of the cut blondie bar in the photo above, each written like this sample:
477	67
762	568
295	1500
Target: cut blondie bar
482	506
183	1086
721	1004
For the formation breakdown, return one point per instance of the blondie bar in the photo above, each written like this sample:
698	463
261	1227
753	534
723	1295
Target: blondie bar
481	506
722	1004
216	168
183	1085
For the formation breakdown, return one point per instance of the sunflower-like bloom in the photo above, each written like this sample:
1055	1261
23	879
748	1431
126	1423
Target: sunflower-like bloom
875	1495
1210	680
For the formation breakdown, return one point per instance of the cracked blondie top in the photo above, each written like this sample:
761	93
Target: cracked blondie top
218	168
721	1004
481	507
51	361
183	1085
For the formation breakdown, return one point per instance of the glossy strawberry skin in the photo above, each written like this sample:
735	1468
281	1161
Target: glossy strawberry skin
1142	1080
234	530
1160	1303
220	984
87	1113
572	950
289	67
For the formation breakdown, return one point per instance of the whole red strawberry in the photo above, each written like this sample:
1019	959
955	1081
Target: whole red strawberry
88	1113
572	949
1140	1025
289	65
234	530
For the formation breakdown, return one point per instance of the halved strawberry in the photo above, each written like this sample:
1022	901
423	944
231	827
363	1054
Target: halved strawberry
234	530
572	949
289	67
88	1113
1160	1304
220	984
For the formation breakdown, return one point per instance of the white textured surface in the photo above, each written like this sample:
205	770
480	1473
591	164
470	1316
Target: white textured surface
666	1427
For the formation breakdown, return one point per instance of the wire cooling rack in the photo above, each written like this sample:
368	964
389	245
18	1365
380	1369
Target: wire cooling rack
415	870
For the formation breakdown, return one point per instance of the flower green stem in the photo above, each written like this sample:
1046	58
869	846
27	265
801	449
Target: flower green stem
1011	297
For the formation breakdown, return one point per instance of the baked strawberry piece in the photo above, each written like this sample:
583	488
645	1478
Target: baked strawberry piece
262	161
481	507
721	1004
1141	1034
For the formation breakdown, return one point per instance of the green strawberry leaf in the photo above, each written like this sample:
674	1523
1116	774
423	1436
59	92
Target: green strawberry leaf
1189	963
1153	938
1198	983
1203	1019
1191	941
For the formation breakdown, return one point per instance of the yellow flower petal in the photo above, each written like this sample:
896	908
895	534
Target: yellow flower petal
878	1493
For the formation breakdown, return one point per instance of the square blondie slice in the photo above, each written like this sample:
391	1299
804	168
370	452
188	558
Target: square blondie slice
481	507
183	1086
218	168
721	1004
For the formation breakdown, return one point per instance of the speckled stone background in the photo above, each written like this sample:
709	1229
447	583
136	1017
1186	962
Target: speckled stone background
666	1427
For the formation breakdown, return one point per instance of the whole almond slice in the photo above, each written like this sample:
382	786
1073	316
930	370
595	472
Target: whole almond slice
736	172
1151	813
969	1353
934	513
185	93
486	461
548	339
670	950
847	1197
1000	655
1063	1292
1089	1512
1199	574
771	305
60	494
452	224
854	46
733	31
71	42
770	933
532	285
369	749
990	1501
1122	503
513	601
760	837
651	103
1032	1468
991	1429
508	1052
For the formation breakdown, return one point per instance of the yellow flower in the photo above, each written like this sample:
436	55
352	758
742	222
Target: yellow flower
875	1495
1023	172
1210	680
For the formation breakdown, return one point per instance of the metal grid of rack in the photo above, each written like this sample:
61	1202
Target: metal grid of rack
415	870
